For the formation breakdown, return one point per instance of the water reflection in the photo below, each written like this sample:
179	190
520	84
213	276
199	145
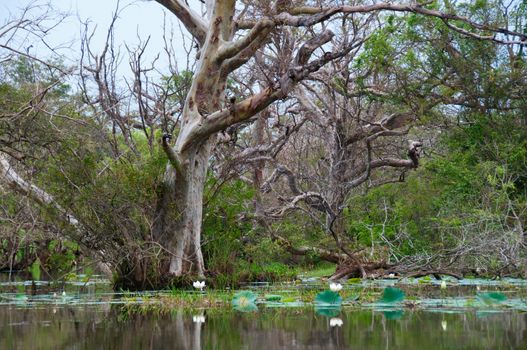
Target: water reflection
111	327
336	322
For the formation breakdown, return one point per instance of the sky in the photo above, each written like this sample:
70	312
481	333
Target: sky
141	18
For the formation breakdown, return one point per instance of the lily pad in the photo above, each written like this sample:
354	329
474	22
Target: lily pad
289	300
244	301
355	280
329	298
278	304
327	311
392	295
273	297
492	297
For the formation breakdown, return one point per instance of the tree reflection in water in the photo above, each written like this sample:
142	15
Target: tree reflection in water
105	327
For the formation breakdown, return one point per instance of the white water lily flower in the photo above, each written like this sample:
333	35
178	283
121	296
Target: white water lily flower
199	285
443	284
335	287
198	319
336	322
443	325
478	288
392	275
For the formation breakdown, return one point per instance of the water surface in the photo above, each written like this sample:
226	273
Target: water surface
90	316
110	327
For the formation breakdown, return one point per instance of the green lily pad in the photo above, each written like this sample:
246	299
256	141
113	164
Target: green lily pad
273	297
21	298
278	304
392	295
246	308
492	297
327	311
328	297
244	301
289	300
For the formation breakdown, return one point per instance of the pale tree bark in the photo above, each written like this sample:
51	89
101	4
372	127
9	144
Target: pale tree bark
178	225
205	113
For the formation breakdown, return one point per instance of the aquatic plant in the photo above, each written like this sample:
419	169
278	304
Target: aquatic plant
392	295
328	298
273	297
490	298
198	318
199	285
336	322
244	301
335	287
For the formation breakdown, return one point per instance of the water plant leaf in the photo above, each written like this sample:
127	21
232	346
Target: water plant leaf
278	304
491	297
21	298
327	311
244	301
246	308
328	297
392	295
289	300
273	297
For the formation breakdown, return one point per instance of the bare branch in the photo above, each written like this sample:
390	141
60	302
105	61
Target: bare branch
192	21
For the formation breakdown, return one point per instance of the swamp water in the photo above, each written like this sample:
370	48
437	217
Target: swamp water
89	316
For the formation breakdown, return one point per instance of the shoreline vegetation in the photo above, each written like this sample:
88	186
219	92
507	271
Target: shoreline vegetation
383	139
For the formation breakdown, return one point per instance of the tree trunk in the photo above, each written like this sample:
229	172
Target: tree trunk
180	212
184	236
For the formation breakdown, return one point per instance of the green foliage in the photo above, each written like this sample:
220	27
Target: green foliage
328	298
273	297
392	295
327	311
492	297
244	301
34	269
62	258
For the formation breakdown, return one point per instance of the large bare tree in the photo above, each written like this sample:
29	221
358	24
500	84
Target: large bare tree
228	36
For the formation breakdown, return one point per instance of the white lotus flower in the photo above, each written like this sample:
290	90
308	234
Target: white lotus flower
198	319
336	322
443	325
335	287
443	284
199	285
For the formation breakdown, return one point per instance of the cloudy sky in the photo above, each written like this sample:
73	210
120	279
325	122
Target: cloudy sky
141	18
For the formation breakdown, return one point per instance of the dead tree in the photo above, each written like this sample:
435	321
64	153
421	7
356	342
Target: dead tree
228	36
